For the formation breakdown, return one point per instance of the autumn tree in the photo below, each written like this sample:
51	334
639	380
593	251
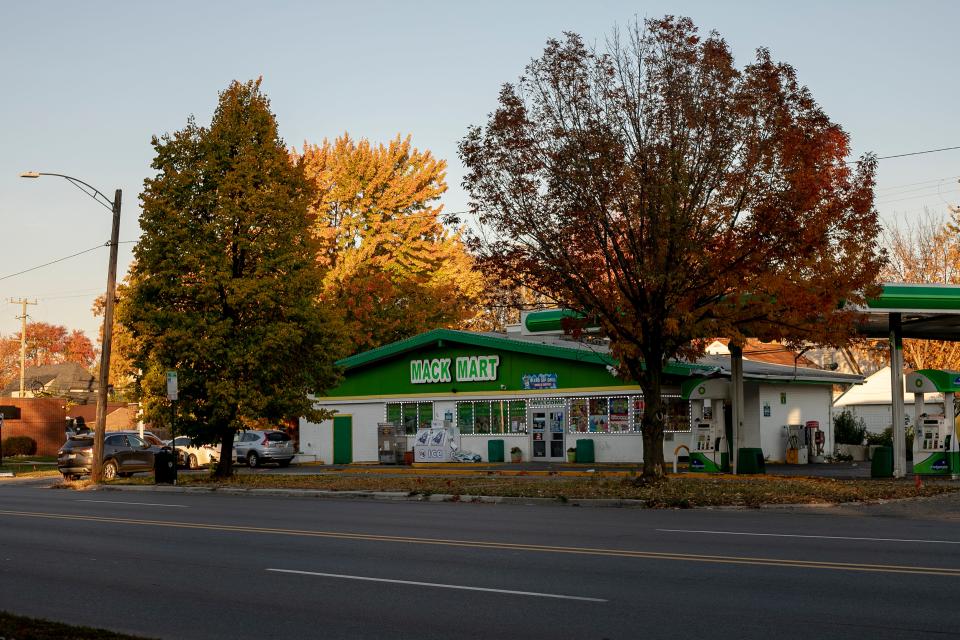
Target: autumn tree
925	250
46	344
123	369
390	268
224	289
672	197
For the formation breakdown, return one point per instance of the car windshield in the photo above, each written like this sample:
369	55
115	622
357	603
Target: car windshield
276	436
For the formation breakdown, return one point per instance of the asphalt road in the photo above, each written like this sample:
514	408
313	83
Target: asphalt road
223	566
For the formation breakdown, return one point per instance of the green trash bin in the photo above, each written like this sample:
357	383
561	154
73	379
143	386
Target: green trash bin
495	451
750	460
881	464
585	451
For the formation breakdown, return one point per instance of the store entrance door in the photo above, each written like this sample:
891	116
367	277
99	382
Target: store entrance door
547	435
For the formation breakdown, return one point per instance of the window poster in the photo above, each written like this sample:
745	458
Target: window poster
578	415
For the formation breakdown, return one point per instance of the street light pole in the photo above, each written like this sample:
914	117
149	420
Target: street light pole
102	392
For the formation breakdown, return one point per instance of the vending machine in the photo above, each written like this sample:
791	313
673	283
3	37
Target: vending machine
709	433
935	446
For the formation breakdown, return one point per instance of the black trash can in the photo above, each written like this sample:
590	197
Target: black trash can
164	467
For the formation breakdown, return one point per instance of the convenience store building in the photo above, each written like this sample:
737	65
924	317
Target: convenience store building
539	390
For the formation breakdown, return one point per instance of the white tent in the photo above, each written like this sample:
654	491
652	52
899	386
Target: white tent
871	401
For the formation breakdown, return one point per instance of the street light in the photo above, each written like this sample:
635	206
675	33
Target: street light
114	206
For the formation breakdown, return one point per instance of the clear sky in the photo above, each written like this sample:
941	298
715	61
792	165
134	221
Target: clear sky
86	85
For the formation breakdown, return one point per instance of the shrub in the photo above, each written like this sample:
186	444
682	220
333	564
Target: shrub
848	428
19	446
884	439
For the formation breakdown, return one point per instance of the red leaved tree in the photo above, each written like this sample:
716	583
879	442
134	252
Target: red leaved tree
46	344
673	197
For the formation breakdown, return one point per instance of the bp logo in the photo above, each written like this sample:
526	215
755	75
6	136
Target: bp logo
702	390
918	383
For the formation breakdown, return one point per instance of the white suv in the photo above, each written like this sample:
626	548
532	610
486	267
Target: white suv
256	447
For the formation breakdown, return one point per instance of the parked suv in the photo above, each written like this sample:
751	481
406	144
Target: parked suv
256	447
124	453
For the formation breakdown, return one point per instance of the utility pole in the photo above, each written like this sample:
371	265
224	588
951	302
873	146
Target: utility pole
23	302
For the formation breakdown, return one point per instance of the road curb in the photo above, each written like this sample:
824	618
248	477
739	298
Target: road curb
393	496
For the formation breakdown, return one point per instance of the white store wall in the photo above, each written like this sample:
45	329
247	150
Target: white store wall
803	403
317	439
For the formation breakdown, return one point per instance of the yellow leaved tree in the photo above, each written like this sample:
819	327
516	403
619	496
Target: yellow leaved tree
391	269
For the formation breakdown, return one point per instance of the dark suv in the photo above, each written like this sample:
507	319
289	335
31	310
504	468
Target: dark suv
124	453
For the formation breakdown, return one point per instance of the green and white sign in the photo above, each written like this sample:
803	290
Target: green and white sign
466	369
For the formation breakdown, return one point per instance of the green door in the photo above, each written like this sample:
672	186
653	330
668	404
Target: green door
342	440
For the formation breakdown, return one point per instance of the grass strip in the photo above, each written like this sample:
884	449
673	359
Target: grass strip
14	627
675	492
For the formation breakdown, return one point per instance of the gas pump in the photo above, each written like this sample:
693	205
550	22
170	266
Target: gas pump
935	446
709	440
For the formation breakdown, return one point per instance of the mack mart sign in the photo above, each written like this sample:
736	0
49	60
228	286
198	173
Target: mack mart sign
466	368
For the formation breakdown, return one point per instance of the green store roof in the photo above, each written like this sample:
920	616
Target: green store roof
576	351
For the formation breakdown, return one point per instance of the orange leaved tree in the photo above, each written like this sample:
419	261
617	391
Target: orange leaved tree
672	196
390	267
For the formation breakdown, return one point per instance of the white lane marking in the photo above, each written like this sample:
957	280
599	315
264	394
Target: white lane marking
799	535
142	504
438	585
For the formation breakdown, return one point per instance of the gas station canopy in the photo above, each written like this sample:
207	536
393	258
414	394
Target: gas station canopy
926	311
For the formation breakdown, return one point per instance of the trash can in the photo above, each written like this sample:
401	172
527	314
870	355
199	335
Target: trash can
495	451
164	467
881	463
750	460
585	451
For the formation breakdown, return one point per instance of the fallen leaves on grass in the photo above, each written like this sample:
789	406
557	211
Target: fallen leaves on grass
677	492
20	627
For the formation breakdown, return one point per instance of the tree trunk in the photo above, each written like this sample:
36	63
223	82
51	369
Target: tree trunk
225	464
652	423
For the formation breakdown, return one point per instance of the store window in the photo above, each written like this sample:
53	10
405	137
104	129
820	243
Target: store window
676	413
619	414
483	417
604	415
410	415
622	414
578	415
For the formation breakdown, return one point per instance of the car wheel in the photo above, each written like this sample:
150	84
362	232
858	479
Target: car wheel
253	460
67	476
110	470
192	462
284	463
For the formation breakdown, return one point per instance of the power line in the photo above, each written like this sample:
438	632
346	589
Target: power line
912	153
911	184
72	255
47	264
918	153
919	195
